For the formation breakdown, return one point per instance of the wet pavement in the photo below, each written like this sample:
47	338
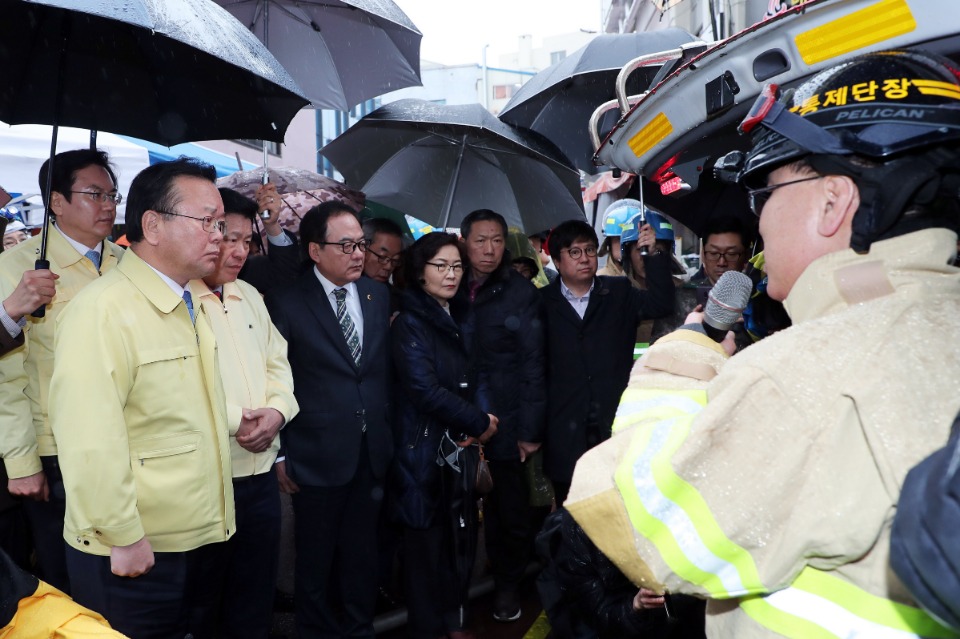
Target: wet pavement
390	619
481	615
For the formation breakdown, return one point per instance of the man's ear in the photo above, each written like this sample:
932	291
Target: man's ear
313	250
151	225
56	202
841	199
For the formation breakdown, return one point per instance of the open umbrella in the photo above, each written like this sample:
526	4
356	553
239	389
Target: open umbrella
440	162
300	190
341	52
167	71
558	101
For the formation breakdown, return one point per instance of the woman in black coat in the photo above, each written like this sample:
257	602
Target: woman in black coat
435	398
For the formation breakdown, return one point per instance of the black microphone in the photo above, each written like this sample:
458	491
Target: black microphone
725	303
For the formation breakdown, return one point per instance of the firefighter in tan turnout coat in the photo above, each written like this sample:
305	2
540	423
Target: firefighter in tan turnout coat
770	488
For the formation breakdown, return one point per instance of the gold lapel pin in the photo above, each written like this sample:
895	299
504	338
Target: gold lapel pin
369	297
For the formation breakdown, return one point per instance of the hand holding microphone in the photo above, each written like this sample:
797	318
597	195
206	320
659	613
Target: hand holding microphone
725	304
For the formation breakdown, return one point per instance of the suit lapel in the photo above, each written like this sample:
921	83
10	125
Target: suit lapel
368	305
319	305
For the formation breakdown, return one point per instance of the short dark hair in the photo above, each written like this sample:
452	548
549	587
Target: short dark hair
313	226
482	215
569	232
65	167
236	203
727	224
424	250
153	190
373	225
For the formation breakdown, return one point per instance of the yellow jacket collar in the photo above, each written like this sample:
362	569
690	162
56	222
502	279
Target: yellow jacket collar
148	282
230	289
61	253
844	278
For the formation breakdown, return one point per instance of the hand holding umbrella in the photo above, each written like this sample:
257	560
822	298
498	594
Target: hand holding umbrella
269	203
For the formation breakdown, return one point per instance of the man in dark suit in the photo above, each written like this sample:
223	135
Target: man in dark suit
591	324
338	448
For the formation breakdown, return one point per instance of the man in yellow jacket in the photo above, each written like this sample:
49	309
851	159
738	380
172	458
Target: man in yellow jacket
84	202
258	385
138	411
772	491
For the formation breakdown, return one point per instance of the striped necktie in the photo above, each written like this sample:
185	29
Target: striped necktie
347	326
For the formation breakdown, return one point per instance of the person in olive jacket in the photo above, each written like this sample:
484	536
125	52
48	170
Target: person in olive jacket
433	401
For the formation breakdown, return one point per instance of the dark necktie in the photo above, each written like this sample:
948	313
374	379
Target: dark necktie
347	326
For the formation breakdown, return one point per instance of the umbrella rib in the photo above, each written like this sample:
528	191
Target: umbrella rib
452	187
312	24
316	28
292	210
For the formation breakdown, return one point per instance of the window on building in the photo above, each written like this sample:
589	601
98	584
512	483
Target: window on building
504	91
272	147
557	56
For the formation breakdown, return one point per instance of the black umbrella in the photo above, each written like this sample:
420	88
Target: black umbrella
558	101
440	162
167	71
458	477
341	52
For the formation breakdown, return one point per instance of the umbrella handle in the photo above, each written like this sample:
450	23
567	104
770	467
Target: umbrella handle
265	180
41	265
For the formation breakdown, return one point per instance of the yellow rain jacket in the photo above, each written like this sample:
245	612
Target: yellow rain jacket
25	432
253	365
138	410
772	494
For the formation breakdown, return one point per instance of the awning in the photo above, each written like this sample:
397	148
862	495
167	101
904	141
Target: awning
24	147
224	163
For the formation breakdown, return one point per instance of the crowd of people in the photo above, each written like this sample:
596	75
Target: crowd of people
151	417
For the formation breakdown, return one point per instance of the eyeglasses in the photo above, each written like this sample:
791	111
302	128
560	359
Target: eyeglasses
576	252
444	268
207	223
103	198
349	247
729	256
758	197
386	259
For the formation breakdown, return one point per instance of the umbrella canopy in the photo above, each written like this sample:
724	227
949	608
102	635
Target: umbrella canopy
300	190
558	101
376	210
440	162
168	71
341	52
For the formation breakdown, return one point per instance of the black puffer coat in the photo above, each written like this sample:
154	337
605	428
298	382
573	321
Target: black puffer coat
504	332
430	363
